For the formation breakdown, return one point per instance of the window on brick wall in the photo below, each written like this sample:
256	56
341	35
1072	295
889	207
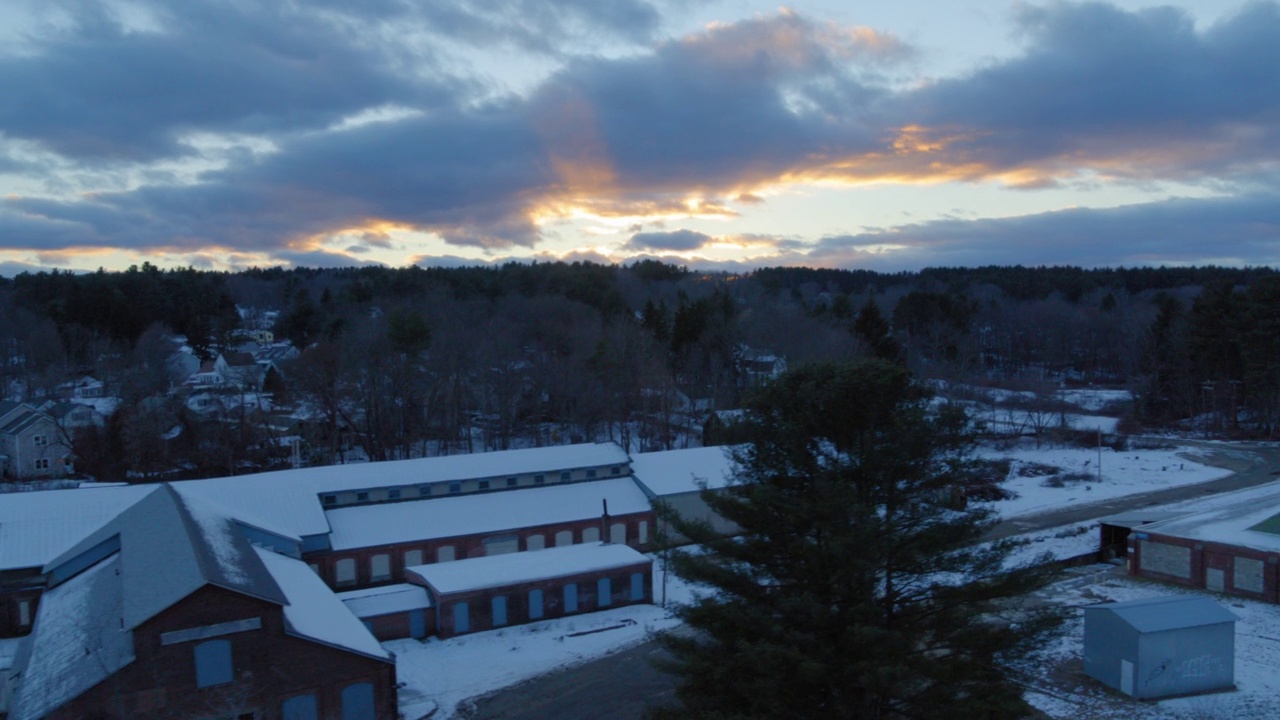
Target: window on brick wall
412	557
24	613
357	702
345	572
444	553
302	707
213	663
591	534
380	567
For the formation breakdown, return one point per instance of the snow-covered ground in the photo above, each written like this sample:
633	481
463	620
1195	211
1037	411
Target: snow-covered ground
438	675
1123	473
1064	691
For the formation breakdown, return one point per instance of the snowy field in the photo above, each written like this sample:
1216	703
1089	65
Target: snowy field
1062	690
1123	473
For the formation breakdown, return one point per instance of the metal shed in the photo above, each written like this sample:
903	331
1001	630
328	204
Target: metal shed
1162	646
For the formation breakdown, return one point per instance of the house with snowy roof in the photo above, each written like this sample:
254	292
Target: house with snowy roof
31	444
175	609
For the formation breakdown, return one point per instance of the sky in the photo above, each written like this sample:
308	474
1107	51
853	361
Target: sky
225	134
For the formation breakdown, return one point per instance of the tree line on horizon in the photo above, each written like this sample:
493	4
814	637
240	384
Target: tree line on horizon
411	361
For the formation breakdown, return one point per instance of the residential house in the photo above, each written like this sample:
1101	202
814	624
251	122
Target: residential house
31	444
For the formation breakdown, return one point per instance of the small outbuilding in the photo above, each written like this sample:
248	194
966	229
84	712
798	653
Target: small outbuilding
491	592
392	612
1161	647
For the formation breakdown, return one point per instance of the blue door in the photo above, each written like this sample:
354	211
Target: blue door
461	619
637	586
417	624
500	611
357	702
535	604
571	597
604	592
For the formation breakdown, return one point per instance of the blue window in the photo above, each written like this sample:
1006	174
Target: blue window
417	624
362	497
484	484
564	475
455	488
330	500
302	707
535	604
357	702
394	493
637	586
499	611
616	469
539	479
511	482
424	490
591	473
604	592
213	663
571	597
461	618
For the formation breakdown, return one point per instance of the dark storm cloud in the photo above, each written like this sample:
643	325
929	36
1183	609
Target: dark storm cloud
1241	230
97	89
677	240
1131	93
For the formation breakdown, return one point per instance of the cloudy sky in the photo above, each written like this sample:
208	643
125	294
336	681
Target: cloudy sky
230	133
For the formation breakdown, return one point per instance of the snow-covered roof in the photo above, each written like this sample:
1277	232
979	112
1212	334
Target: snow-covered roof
671	472
314	612
76	642
385	600
36	527
171	547
523	567
1230	523
1169	612
288	499
385	524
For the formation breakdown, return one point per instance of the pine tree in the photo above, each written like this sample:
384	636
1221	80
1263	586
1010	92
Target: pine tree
871	328
854	589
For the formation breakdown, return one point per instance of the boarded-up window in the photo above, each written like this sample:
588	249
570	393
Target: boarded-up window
591	534
604	592
643	532
564	537
502	545
1164	558
461	618
357	702
345	571
1247	575
302	707
637	586
412	557
618	533
571	598
535	542
535	604
444	553
498	606
380	567
213	663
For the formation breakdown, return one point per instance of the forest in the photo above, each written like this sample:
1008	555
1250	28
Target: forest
405	362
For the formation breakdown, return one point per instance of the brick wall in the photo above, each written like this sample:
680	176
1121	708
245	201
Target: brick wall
1220	567
268	665
480	602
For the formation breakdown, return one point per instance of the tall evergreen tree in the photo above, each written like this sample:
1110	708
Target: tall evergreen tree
854	590
871	328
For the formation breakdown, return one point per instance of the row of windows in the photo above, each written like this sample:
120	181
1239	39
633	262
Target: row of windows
380	563
46	463
455	487
498	603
